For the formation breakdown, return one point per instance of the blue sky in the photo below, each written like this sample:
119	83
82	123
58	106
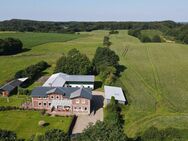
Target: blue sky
95	10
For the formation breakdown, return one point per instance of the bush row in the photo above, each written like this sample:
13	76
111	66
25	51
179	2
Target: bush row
32	72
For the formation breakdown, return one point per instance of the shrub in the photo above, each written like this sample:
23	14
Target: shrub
156	39
10	46
74	63
145	39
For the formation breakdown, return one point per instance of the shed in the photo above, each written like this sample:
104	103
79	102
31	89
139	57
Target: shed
116	92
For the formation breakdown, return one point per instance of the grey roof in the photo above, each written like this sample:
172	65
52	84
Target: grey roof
56	90
68	92
11	85
59	79
83	93
117	92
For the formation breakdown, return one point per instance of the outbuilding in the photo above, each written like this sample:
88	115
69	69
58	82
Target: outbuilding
116	92
11	86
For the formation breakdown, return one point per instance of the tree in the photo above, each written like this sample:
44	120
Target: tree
185	40
106	41
54	135
105	57
74	63
7	135
102	131
156	39
108	75
10	46
145	39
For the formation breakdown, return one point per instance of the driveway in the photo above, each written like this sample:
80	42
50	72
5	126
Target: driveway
97	113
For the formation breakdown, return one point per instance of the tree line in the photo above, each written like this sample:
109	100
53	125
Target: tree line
144	38
177	30
105	64
9	46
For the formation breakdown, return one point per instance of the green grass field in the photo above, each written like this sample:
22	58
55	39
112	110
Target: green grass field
25	123
30	39
156	81
155	78
49	52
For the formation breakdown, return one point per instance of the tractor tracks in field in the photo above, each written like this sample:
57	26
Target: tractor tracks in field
160	96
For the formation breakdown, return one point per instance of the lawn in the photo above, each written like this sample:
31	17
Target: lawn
25	123
15	100
31	39
156	83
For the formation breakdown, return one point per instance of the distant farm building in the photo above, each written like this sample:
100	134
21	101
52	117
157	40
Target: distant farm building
65	80
11	86
115	92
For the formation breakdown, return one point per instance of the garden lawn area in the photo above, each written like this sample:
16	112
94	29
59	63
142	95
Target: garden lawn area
25	123
15	100
156	83
32	39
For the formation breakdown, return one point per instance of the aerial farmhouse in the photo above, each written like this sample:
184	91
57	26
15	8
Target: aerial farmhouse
68	94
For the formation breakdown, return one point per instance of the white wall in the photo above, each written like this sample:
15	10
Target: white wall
84	85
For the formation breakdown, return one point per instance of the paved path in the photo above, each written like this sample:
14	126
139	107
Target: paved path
97	113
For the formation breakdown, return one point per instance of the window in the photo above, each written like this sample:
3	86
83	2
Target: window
85	108
49	104
40	104
77	101
88	86
80	108
83	101
52	97
57	97
44	104
75	107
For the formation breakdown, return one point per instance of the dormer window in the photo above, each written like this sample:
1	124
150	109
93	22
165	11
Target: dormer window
57	97
52	97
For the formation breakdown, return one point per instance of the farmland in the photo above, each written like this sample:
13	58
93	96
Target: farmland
156	83
155	79
49	52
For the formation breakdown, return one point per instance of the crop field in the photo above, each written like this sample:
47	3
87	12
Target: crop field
30	39
25	123
156	83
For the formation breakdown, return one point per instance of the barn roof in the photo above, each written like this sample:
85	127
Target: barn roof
13	84
59	79
116	92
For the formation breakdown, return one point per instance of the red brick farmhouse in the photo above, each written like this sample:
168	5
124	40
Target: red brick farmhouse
74	98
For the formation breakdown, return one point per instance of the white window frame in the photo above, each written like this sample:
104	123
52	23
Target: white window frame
77	101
